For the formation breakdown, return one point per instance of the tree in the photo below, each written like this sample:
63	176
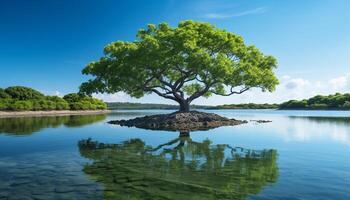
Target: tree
3	94
181	64
82	102
346	105
72	97
23	93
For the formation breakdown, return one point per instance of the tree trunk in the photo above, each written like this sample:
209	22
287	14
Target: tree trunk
184	134
184	106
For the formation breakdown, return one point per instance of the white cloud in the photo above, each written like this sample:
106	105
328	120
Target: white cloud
341	83
296	83
117	97
285	77
219	15
57	93
289	88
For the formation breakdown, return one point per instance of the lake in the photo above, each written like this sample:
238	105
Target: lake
299	155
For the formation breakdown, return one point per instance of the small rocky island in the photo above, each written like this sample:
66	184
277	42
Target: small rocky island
179	121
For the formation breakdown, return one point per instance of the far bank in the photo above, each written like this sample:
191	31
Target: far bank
8	114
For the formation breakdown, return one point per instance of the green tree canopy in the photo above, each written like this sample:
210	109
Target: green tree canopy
183	63
20	98
23	93
72	97
83	102
335	101
3	94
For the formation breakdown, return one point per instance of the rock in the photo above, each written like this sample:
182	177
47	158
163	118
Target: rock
179	121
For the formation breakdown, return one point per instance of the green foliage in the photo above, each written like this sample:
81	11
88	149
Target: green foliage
144	106
319	106
21	106
60	104
3	94
347	105
335	101
81	102
20	98
72	97
246	106
294	104
183	63
5	103
23	93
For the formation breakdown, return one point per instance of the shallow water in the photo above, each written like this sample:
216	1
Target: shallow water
299	155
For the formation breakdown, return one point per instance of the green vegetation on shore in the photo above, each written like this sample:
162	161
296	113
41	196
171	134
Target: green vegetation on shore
145	106
19	98
246	106
329	102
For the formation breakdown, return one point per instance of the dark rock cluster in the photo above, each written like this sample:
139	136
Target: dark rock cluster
179	121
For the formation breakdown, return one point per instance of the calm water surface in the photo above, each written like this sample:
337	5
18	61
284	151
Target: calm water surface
300	155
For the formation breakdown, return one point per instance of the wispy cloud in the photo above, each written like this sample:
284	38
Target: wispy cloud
341	83
217	15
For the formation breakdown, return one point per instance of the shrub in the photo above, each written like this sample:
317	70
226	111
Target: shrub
101	106
294	104
22	98
51	105
72	97
76	106
37	105
21	106
80	102
60	103
3	94
346	105
23	93
4	104
62	106
334	101
319	106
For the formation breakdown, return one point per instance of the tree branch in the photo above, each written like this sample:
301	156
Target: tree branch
200	93
165	95
232	92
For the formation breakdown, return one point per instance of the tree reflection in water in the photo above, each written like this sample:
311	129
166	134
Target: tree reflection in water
178	169
29	125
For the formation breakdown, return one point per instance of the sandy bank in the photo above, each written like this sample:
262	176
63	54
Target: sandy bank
7	114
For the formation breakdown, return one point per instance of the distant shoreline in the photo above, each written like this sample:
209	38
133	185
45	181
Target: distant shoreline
8	114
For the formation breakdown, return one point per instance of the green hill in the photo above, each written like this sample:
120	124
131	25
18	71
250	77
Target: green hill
320	102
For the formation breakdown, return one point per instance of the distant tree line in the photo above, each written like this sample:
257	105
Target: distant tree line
246	106
19	98
328	102
145	106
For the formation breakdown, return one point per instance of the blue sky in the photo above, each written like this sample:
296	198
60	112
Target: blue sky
45	44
